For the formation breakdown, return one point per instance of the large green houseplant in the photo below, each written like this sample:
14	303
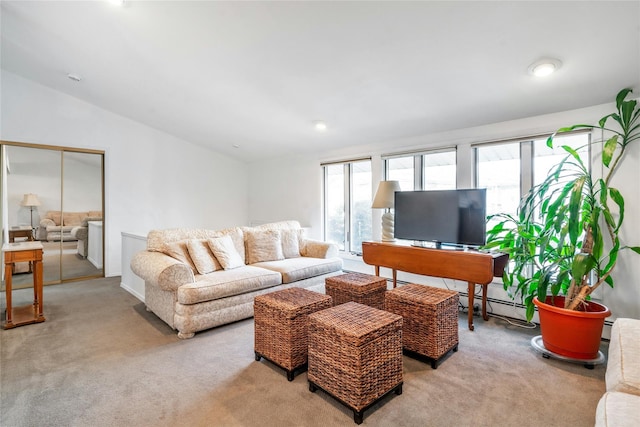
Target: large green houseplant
565	238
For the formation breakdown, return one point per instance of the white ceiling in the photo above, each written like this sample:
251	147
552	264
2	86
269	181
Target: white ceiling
258	74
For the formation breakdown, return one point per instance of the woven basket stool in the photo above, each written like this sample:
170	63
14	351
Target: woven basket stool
430	316
281	320
355	355
357	287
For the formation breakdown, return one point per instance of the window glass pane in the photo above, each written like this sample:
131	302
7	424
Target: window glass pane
546	158
361	202
498	170
334	205
401	169
439	171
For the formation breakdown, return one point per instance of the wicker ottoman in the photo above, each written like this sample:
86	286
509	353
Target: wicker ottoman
430	317
355	355
363	288
281	320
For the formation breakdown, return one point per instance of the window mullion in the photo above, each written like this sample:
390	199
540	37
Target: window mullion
347	206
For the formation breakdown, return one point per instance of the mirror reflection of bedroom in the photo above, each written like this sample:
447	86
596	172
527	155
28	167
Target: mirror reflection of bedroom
54	195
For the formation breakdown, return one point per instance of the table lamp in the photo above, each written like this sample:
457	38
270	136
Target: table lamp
384	199
30	200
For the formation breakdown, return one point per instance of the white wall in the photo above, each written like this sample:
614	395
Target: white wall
152	179
301	180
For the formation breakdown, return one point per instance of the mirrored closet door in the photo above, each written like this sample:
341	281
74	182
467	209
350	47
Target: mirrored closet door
55	195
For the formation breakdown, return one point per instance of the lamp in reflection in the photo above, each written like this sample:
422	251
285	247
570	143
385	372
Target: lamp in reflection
30	200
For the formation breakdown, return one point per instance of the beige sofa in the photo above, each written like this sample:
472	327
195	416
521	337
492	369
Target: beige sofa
81	234
619	406
57	225
196	279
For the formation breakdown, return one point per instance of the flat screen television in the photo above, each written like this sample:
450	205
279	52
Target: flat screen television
450	217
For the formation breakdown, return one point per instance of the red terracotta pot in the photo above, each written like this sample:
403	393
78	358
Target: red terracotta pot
569	333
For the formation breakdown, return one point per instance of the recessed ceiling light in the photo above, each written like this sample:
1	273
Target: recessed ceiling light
544	67
74	77
320	126
116	2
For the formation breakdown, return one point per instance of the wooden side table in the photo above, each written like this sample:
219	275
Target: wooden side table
23	252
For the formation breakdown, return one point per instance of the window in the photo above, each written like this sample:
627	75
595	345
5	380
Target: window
498	170
508	170
423	171
347	207
545	158
439	170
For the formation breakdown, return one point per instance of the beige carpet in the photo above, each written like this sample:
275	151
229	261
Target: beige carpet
101	360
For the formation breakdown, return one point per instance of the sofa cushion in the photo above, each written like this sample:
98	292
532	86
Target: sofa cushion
224	283
73	218
225	252
618	410
623	367
179	251
291	242
156	239
55	216
294	269
202	256
263	245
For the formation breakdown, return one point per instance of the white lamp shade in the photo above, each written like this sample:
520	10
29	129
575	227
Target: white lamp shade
30	200
385	196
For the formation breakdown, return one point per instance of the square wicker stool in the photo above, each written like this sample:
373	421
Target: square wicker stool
430	317
281	320
355	355
357	287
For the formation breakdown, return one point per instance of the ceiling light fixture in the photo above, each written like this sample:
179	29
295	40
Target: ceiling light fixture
320	126
544	67
117	2
74	77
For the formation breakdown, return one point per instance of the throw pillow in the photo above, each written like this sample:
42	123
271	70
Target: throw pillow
290	243
179	251
263	245
225	252
202	257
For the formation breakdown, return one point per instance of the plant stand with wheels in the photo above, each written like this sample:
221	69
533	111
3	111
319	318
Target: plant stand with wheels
536	343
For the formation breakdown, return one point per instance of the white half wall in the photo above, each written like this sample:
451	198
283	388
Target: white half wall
152	179
292	187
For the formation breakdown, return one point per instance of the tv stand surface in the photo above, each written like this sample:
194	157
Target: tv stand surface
473	267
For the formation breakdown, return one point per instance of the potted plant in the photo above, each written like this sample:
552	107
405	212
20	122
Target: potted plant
565	239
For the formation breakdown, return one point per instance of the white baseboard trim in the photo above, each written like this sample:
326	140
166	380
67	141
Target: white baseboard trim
132	291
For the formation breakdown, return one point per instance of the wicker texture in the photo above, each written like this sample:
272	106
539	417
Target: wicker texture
281	320
357	287
430	318
355	353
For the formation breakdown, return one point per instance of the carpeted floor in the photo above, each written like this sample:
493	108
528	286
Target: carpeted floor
101	359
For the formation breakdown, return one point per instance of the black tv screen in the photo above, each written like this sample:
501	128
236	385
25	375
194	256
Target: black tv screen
456	217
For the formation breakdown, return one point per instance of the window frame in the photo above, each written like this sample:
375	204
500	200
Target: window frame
348	201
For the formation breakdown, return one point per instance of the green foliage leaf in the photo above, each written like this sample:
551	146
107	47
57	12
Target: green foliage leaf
627	112
635	249
582	264
619	200
609	281
574	209
609	149
621	96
